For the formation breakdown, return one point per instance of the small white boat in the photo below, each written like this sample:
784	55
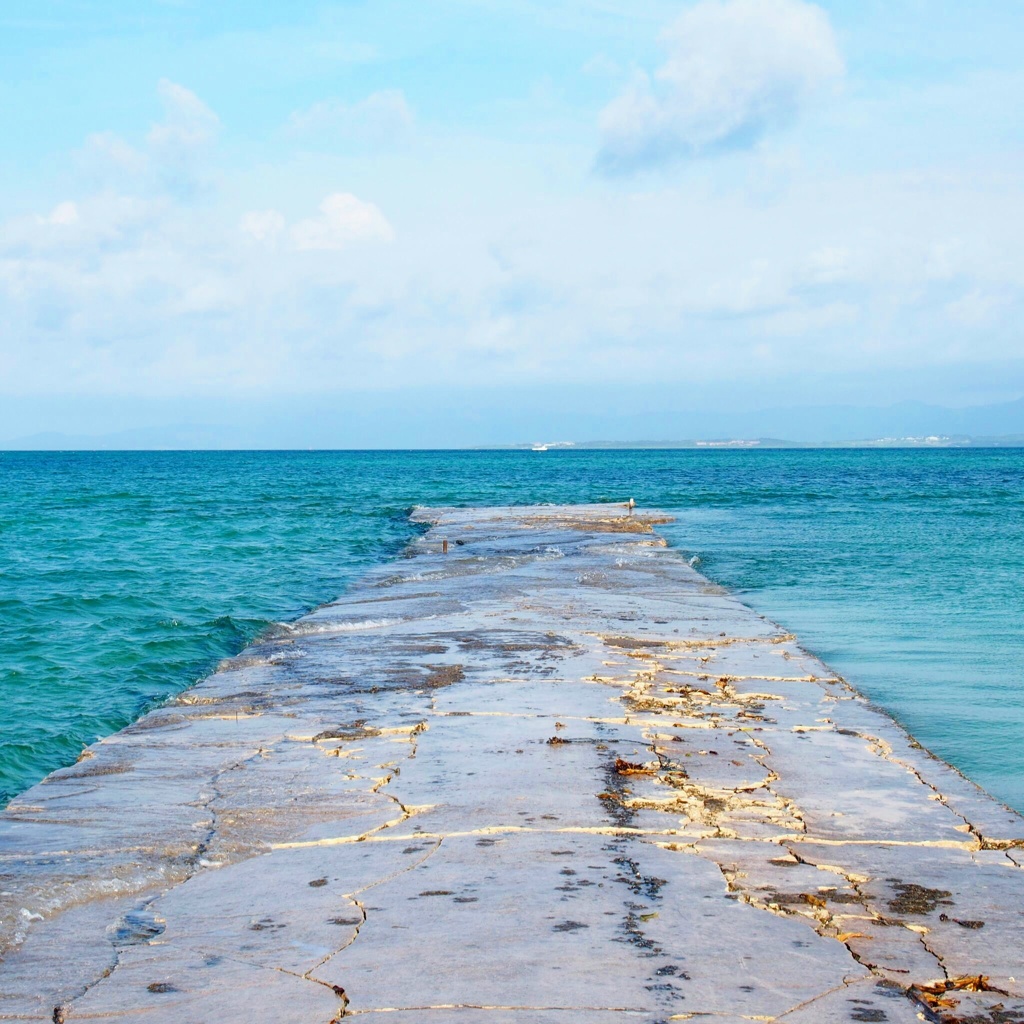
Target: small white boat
539	448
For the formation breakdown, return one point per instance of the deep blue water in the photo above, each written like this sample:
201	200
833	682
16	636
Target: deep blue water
125	577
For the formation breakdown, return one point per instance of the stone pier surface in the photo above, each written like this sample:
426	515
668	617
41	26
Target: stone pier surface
553	776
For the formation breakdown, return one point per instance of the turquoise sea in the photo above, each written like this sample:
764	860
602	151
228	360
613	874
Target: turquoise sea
125	577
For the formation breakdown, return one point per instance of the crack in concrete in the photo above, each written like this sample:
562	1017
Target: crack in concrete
936	956
337	990
636	644
501	1006
815	909
485	830
407	813
817	999
819	917
704	674
363	912
690	1015
195	862
885	751
61	1011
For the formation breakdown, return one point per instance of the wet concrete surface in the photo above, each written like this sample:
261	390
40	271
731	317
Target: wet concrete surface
553	775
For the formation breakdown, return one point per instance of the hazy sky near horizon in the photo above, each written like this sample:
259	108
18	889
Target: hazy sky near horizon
230	201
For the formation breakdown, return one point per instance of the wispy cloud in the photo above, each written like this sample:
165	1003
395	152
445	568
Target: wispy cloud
188	121
382	118
65	213
736	69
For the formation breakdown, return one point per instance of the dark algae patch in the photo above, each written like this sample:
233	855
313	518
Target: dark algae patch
916	899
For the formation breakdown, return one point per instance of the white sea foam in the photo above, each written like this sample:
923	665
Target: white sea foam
285	656
355	624
338	626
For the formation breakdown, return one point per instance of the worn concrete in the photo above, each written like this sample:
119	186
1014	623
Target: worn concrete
554	776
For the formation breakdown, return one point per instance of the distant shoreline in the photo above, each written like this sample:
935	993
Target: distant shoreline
748	444
1012	441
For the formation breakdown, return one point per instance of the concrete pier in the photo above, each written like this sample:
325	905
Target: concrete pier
552	776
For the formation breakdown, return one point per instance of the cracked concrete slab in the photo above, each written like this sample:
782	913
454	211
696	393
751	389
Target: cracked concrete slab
551	775
866	1001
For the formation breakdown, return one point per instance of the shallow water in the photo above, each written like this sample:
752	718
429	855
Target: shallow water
124	577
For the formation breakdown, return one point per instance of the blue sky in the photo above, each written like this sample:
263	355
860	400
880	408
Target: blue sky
213	206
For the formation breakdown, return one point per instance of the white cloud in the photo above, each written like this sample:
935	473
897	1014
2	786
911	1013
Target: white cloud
164	297
188	122
63	214
975	309
830	264
602	66
382	118
173	157
736	69
105	150
104	221
343	219
492	277
262	225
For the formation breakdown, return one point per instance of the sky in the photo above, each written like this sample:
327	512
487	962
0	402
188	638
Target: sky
486	220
